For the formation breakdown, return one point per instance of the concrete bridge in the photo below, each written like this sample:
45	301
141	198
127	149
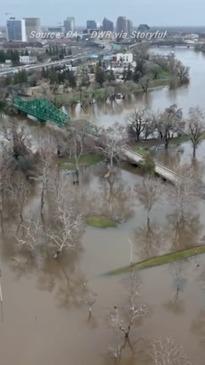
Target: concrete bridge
160	170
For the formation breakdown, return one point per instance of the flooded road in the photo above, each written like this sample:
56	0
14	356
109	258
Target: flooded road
44	317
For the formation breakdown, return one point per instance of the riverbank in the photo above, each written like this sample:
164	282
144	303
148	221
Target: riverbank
160	260
90	96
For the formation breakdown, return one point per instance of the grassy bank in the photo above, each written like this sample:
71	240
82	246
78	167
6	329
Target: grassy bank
102	222
88	159
160	260
185	138
100	95
143	146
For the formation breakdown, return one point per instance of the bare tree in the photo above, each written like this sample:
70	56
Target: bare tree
19	148
76	146
20	190
168	352
47	166
68	234
4	184
116	199
185	190
45	177
78	139
184	222
140	122
145	83
179	72
196	128
182	73
110	143
124	321
169	124
147	241
29	237
68	227
148	194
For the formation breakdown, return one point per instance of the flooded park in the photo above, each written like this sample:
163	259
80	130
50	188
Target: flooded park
63	302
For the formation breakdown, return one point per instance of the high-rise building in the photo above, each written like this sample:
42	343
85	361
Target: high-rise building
32	25
107	25
129	26
69	24
91	25
121	25
55	29
143	28
16	30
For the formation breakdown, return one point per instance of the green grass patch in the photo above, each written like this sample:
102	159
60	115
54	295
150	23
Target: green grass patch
158	83
160	260
99	221
179	140
141	150
164	75
184	138
88	159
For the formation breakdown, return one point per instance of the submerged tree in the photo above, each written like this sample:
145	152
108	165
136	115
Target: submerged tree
184	221
169	124
148	194
110	143
179	73
168	352
20	190
147	242
124	322
140	123
196	128
17	144
65	234
145	83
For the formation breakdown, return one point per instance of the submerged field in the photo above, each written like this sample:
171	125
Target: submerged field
57	304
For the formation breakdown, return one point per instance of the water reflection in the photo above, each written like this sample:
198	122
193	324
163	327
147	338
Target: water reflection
148	241
113	196
184	230
87	303
198	327
179	276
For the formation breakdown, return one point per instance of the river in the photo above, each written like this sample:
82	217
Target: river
43	320
185	96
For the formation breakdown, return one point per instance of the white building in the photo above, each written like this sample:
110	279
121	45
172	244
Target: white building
124	58
27	60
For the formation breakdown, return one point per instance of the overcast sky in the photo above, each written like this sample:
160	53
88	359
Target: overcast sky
152	12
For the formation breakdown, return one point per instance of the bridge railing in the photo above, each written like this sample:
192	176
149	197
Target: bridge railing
157	164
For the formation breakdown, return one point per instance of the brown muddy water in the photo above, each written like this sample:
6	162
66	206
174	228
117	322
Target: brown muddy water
44	317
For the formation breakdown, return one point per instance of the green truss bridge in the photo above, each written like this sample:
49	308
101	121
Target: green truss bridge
41	109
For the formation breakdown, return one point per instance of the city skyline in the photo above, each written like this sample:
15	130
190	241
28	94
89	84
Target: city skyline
171	13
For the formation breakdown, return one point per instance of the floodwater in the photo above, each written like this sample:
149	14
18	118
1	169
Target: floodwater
185	96
44	316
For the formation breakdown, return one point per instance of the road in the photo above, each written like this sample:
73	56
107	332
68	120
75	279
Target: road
77	57
160	170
